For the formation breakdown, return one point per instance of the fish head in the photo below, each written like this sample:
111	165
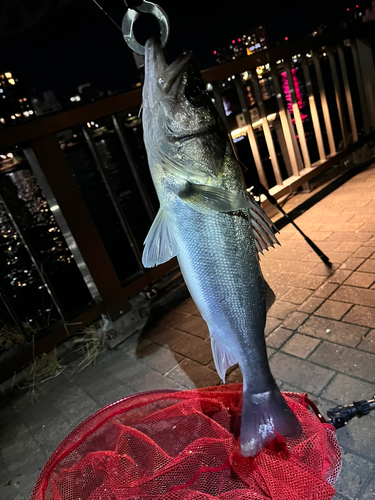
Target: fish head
182	128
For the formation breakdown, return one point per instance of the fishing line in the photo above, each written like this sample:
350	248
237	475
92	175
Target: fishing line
106	14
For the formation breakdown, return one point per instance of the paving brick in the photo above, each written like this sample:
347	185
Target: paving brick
235	377
271	325
164	335
311	305
300	345
301	280
349	236
74	405
325	290
194	348
191	374
368	226
279	290
297	295
323	270
367	267
334	331
339	276
360	315
355	437
281	309
343	389
194	325
369	493
108	390
303	374
348	246
352	263
361	279
278	337
338	257
126	369
343	359
172	318
50	434
189	307
151	380
332	309
364	252
159	358
314	235
355	295
370	243
344	226
295	320
134	344
354	474
368	343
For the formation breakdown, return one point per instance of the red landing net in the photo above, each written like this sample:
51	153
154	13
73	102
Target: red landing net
183	446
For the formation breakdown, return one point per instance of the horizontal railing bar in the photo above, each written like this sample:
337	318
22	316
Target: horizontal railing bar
50	124
46	125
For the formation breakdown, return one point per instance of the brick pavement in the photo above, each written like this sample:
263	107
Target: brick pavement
320	335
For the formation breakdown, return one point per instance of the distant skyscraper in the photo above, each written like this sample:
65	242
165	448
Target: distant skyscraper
251	42
14	103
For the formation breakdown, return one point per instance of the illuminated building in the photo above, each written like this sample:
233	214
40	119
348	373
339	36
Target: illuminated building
14	103
251	42
49	103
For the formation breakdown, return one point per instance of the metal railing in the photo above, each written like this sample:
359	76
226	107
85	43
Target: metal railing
292	111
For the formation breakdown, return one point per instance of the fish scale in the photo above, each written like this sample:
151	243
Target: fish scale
207	220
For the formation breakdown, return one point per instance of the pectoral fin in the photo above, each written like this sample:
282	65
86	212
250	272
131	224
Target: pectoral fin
160	243
205	199
222	357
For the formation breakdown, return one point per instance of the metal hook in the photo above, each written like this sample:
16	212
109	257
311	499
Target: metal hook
132	15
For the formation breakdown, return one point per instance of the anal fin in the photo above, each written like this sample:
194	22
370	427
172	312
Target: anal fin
222	357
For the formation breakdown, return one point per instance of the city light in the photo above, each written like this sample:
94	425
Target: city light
215	52
11	81
286	38
8	75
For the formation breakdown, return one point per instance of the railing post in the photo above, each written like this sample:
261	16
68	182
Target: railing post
283	112
323	100
339	103
364	68
112	195
47	159
297	117
249	130
266	127
348	95
313	109
133	167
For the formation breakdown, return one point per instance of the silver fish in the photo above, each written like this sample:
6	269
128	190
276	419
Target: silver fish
209	221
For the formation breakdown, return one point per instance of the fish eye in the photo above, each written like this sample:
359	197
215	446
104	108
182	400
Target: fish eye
195	91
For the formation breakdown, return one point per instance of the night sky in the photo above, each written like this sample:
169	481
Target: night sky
75	43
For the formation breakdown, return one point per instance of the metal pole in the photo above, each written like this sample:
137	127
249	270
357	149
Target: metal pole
323	99
133	167
297	117
348	95
313	110
249	131
266	127
114	199
340	109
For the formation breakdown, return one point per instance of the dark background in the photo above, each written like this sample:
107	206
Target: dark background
60	44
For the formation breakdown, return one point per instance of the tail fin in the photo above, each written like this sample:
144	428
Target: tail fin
262	415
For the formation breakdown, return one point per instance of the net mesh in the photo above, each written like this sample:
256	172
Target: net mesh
184	445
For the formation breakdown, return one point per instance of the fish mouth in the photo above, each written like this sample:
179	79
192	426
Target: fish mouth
155	64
